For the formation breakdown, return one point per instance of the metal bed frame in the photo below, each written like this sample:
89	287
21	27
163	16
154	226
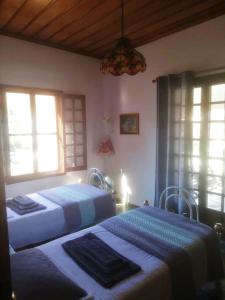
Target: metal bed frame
182	194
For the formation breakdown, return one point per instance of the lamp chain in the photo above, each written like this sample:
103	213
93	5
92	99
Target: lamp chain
122	18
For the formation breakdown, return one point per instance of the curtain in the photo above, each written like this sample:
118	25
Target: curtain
174	131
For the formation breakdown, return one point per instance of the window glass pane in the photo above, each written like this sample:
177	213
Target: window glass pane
79	150
195	164
179	113
79	139
69	150
176	163
176	146
21	155
74	132
68	115
80	161
217	112
70	162
176	130
79	127
214	184
214	202
78	116
196	114
194	179
176	177
69	139
19	113
45	114
177	96
195	148
197	94
196	130
216	149
216	130
47	153
215	166
68	104
69	127
77	104
218	92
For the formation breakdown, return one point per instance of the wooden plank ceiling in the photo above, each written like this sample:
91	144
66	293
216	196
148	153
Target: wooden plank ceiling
91	27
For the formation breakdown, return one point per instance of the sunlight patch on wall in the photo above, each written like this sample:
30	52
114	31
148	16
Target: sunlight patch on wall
125	188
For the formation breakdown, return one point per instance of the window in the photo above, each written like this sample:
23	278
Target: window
208	142
33	145
74	132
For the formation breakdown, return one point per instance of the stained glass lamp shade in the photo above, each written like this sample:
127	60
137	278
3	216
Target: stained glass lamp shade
123	58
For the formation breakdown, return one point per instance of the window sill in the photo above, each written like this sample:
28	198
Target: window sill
73	169
30	177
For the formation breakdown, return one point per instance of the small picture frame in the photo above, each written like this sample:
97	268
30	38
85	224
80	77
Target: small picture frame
129	123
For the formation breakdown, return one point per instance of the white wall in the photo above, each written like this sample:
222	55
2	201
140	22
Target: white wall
198	48
31	65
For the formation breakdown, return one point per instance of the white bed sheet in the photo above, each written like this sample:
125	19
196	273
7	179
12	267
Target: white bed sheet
152	283
38	226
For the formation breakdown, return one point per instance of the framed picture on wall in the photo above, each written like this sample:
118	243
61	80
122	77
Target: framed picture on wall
129	123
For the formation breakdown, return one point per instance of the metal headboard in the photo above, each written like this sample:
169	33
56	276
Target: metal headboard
94	172
189	197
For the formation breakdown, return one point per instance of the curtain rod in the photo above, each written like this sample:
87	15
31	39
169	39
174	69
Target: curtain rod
204	72
210	71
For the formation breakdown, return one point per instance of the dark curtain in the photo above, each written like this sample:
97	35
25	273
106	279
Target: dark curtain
173	132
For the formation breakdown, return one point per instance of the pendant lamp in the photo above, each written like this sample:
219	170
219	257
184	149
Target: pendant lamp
123	58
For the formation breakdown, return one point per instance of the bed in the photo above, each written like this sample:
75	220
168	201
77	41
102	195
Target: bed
68	208
176	256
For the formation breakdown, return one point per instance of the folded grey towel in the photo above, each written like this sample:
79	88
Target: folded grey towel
24	201
24	210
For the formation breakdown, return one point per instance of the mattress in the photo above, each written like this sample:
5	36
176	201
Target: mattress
155	281
44	225
151	283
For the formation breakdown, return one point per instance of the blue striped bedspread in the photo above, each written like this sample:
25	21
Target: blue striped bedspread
83	204
190	249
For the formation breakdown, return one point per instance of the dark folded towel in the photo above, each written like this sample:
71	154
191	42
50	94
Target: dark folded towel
106	272
22	207
83	250
24	201
24	210
35	277
100	250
